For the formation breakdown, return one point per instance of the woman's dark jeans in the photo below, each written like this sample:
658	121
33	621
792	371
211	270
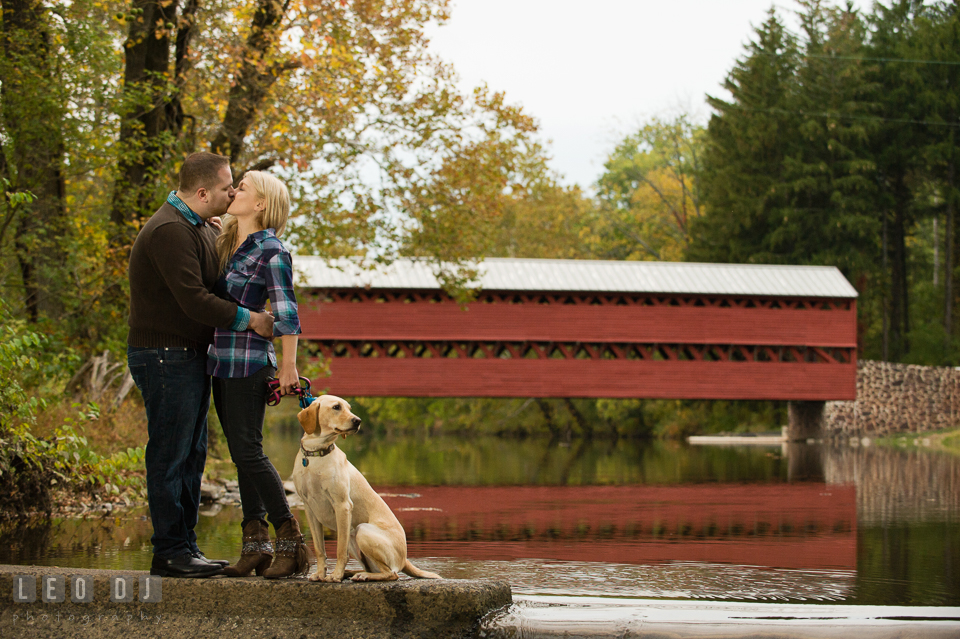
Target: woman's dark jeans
241	402
176	395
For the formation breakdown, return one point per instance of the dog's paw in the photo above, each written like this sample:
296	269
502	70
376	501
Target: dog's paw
333	579
317	576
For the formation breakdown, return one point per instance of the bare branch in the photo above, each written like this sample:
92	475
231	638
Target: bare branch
663	198
261	165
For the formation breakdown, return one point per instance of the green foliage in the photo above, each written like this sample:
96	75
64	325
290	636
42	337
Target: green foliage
649	192
573	419
83	467
747	142
400	460
951	442
33	469
837	147
14	198
542	219
678	419
788	173
17	362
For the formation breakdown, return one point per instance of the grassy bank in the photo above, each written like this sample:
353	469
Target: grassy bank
947	441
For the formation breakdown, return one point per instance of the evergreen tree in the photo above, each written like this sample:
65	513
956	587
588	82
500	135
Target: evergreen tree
829	173
896	143
936	95
748	140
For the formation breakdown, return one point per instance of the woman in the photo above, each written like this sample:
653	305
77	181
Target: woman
255	266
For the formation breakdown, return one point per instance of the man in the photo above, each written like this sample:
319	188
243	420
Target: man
173	268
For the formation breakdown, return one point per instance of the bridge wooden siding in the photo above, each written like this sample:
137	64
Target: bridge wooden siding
392	340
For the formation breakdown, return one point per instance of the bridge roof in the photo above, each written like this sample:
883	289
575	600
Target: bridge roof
508	274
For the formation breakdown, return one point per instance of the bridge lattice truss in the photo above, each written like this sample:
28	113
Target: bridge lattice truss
617	345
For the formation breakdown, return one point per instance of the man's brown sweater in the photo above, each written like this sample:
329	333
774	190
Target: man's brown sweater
173	267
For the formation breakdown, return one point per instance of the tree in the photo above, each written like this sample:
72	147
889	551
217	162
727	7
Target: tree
934	36
747	142
383	154
32	150
649	192
828	217
539	218
896	144
342	98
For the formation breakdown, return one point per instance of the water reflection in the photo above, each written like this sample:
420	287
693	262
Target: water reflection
897	485
495	461
800	526
625	519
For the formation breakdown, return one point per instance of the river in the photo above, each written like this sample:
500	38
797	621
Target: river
626	519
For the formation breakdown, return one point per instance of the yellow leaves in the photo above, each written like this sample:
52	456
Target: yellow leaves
649	193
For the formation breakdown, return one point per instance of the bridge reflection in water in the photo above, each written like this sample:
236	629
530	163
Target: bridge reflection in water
804	526
872	526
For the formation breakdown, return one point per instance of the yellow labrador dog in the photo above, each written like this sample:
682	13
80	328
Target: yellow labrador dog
337	496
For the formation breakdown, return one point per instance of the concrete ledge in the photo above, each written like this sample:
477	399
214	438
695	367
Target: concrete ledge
255	608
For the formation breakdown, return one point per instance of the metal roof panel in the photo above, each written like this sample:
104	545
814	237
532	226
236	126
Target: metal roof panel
508	274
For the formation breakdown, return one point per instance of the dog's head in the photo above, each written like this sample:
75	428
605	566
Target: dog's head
328	415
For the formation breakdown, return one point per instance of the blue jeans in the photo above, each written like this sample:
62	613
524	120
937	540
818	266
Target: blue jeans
176	394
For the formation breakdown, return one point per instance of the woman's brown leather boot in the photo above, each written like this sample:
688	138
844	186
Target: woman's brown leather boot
257	552
291	552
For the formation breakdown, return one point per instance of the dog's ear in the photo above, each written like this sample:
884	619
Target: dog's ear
308	418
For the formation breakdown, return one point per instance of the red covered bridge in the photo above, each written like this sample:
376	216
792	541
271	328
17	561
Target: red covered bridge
577	328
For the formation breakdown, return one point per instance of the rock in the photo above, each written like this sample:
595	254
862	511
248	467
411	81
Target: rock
210	491
212	510
897	398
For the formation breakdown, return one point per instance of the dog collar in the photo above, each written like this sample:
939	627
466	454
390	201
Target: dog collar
319	452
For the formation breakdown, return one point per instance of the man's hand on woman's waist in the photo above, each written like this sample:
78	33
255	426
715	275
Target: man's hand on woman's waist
262	323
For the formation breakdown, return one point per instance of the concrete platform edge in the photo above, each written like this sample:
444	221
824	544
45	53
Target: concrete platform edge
254	608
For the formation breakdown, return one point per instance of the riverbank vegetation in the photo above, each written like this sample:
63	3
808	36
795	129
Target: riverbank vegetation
833	143
947	441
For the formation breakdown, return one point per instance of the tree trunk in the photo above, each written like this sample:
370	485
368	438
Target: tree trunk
257	75
936	249
185	32
899	293
32	119
586	430
885	301
151	114
949	248
547	411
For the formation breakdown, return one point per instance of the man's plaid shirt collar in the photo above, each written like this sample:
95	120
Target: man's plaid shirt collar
188	213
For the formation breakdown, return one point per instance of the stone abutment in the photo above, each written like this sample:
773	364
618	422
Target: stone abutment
896	398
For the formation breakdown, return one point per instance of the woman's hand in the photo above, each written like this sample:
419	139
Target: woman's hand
289	379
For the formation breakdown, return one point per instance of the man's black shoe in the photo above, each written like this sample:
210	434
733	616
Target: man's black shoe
185	565
218	562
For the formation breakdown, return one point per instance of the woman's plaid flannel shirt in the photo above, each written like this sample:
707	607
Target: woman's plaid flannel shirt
260	269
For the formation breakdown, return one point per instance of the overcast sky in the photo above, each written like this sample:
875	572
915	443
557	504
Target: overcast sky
591	71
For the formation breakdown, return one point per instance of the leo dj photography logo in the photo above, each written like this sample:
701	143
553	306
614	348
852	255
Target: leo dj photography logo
53	588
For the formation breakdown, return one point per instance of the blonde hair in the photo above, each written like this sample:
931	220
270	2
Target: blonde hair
273	216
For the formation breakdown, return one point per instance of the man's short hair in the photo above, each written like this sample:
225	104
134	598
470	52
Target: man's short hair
201	170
